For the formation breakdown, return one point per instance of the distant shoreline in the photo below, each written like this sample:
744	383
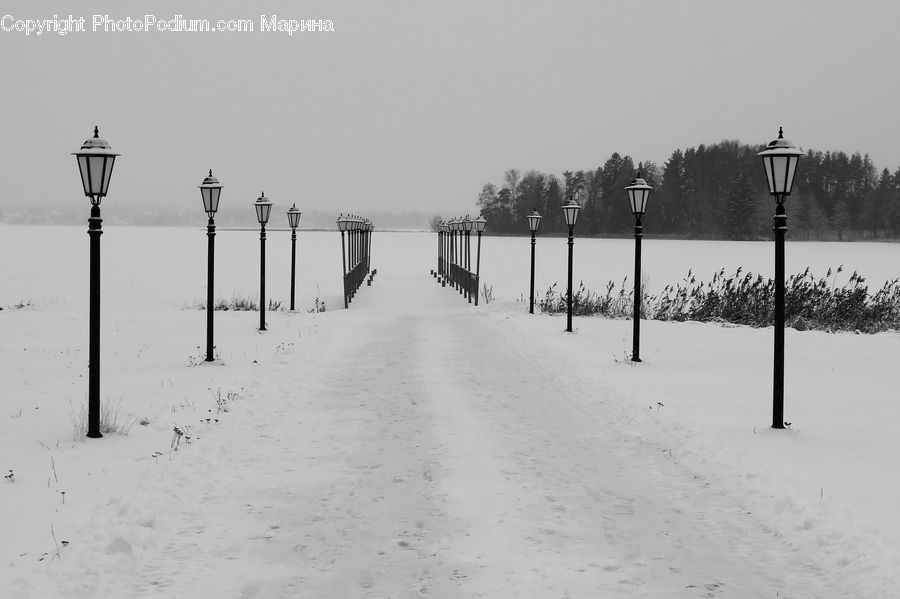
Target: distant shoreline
554	235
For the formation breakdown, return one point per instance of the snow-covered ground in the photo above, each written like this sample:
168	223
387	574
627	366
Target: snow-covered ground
415	446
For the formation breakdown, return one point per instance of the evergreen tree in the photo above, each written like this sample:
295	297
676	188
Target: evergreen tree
892	212
674	194
879	205
613	215
552	209
530	197
739	210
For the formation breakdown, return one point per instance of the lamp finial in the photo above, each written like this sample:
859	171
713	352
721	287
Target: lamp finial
96	131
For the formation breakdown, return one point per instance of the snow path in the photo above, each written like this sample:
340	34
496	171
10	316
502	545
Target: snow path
415	447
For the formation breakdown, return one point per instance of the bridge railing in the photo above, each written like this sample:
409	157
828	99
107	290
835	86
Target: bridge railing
356	257
454	256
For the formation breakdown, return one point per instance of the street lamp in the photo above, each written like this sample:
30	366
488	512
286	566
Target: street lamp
480	223
570	210
294	221
468	224
358	231
342	227
353	244
460	254
95	162
452	225
210	191
263	207
534	223
440	239
638	194
780	161
370	226
454	253
445	251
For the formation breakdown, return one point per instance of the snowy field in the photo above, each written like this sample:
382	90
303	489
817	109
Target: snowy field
415	446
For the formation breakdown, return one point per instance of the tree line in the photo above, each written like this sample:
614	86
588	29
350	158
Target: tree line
713	191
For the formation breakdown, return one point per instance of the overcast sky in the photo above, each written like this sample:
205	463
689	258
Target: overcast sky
414	105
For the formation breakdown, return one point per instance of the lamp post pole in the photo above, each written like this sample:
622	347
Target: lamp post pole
262	277
342	227
636	332
367	247
94	231
531	288
780	228
293	264
357	247
463	257
480	224
478	269
570	210
354	257
95	163
210	274
456	254
344	264
638	194
453	254
467	227
351	244
210	192
356	260
780	161
534	222
445	254
461	244
569	289
294	221
263	207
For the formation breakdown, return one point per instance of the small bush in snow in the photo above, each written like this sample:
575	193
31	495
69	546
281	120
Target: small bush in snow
111	419
487	293
200	358
178	434
237	303
584	302
318	306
